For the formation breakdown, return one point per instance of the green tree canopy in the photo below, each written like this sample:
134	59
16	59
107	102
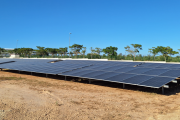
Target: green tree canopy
133	49
76	48
166	51
23	51
2	50
41	51
52	51
111	51
83	51
153	51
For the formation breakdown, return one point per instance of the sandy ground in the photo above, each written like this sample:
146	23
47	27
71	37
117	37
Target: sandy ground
26	97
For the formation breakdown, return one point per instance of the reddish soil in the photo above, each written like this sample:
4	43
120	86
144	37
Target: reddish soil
26	97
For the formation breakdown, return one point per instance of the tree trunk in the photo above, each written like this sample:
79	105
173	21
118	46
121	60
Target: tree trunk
165	58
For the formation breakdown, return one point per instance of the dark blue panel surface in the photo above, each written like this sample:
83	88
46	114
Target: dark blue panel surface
106	75
137	79
91	75
121	77
171	73
80	74
155	71
156	82
113	68
139	70
125	69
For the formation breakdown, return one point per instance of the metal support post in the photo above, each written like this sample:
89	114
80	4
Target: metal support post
89	81
46	75
163	90
123	86
65	77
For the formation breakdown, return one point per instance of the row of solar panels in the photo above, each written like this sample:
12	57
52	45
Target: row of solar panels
107	63
141	80
133	79
118	69
122	72
46	62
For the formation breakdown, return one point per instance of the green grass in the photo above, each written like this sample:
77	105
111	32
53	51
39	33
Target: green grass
11	78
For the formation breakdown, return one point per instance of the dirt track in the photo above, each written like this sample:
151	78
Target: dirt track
26	97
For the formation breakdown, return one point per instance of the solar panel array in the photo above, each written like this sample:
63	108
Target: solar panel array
125	72
41	66
153	75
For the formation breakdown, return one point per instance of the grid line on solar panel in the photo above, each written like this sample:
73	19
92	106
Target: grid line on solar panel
171	73
156	82
92	74
125	69
139	70
155	71
137	79
105	75
120	77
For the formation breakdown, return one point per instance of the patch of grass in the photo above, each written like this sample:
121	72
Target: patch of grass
58	104
40	83
10	78
75	102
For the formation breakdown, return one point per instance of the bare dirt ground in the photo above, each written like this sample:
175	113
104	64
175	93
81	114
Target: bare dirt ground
26	97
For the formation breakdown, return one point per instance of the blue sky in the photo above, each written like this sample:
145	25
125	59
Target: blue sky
93	23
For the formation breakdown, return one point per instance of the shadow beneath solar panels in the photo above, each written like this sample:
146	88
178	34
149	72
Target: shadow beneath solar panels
7	62
172	90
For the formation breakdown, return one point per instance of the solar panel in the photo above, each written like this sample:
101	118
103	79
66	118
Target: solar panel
113	68
122	72
79	74
72	72
125	69
171	73
93	74
137	79
120	77
156	82
155	71
165	65
106	75
139	70
175	66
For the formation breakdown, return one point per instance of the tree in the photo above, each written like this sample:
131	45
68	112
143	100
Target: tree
76	49
41	51
179	54
2	50
92	51
98	50
111	51
133	49
27	51
64	51
166	51
60	51
51	51
154	51
10	51
84	51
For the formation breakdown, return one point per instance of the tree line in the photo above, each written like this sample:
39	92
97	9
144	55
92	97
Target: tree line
110	52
